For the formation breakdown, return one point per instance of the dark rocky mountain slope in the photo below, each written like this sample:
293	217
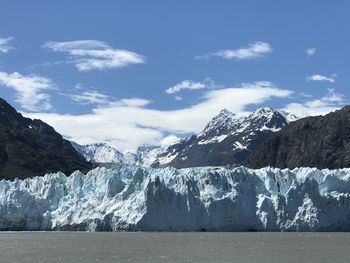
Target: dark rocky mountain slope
322	142
33	148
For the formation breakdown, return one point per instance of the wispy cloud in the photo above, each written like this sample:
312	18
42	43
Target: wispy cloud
85	96
128	123
90	97
329	102
95	55
30	90
333	97
5	46
253	50
321	78
310	51
190	85
132	102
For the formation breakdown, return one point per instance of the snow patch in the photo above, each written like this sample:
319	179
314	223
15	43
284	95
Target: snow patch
214	139
273	129
238	145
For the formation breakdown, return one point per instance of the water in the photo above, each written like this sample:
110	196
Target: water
73	247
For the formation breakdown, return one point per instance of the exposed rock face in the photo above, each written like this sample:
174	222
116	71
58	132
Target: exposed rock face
322	142
32	148
226	140
193	199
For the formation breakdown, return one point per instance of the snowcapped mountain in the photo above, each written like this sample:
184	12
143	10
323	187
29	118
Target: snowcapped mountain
227	139
144	155
99	153
192	199
290	117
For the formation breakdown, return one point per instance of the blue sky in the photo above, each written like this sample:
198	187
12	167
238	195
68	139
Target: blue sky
134	72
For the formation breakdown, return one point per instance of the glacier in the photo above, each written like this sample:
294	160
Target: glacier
131	198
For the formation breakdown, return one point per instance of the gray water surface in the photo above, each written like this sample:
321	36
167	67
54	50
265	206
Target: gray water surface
77	247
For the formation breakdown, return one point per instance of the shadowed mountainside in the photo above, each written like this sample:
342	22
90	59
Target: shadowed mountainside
33	148
322	142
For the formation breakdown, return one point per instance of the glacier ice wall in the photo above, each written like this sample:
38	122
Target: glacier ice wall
193	199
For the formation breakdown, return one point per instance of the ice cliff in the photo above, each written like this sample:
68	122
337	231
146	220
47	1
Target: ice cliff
193	199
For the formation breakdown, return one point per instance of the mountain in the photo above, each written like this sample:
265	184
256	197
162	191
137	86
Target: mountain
226	140
102	153
322	142
193	199
145	155
33	148
99	153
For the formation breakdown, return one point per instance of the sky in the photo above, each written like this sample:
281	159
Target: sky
147	72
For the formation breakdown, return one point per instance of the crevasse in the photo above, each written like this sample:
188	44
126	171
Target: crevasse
193	199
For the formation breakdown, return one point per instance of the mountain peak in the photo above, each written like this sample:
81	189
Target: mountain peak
7	112
268	117
226	139
226	112
265	111
289	116
221	123
4	104
223	115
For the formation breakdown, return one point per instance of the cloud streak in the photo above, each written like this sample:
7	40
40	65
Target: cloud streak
321	78
190	85
90	55
30	90
251	51
5	46
90	97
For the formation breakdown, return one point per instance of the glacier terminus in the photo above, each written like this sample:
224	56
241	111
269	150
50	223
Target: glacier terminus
132	198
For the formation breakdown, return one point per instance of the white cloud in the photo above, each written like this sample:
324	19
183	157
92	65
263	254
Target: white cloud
75	45
5	46
190	85
317	77
333	96
329	102
132	102
30	90
90	97
178	98
128	123
95	55
185	84
310	51
253	50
